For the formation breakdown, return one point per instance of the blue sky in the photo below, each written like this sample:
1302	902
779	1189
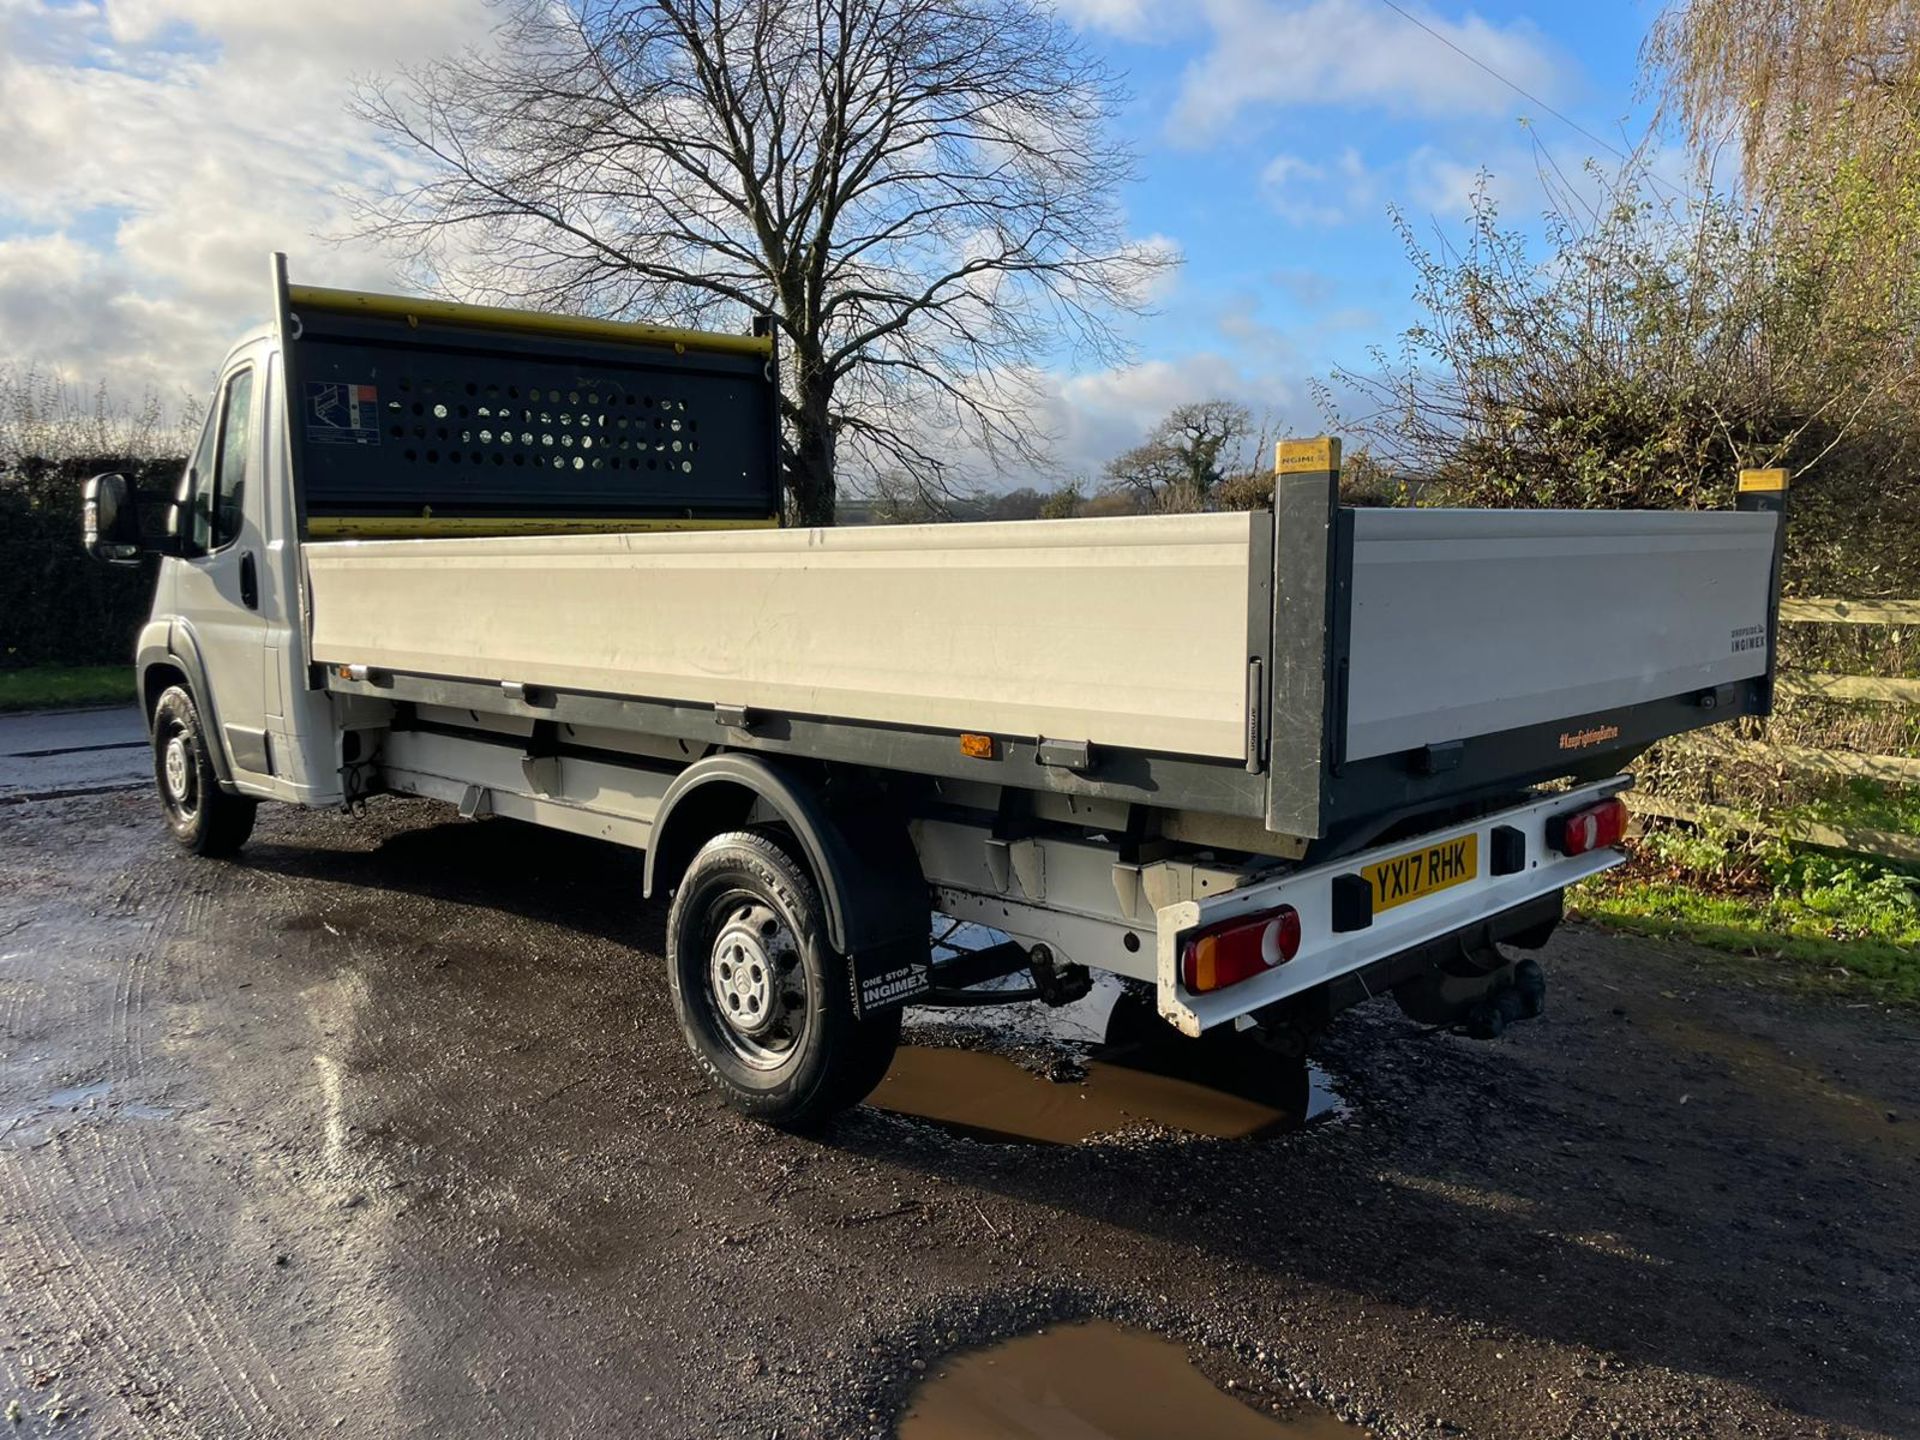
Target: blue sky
1281	209
153	151
1274	168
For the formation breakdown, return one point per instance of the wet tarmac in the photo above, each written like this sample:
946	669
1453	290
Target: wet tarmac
386	1129
46	753
1095	1381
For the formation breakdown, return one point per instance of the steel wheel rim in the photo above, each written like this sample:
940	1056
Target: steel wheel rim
755	986
179	776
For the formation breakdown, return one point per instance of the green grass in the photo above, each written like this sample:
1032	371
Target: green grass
51	687
1870	969
1836	924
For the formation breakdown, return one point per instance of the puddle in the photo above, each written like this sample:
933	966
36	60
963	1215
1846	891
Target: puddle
1095	1381
31	1122
987	1095
1137	1071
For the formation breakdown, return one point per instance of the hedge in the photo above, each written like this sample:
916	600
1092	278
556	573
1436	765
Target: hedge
57	607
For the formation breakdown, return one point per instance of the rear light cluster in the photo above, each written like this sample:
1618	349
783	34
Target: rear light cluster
1238	949
1595	828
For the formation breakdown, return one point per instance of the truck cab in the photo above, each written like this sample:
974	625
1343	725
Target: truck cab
225	618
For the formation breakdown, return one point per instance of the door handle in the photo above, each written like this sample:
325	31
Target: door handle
249	582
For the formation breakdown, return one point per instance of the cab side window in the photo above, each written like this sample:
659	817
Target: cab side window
236	453
220	469
197	490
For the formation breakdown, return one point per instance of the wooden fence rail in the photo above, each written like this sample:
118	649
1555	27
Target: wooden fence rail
1886	844
1820	684
1851	612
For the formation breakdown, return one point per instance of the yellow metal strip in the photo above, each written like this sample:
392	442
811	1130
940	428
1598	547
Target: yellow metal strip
494	317
1306	457
1763	479
418	527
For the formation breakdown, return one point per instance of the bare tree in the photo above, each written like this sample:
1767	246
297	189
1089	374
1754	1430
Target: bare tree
45	419
1184	458
921	192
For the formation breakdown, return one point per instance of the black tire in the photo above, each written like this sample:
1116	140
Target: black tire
203	818
781	1040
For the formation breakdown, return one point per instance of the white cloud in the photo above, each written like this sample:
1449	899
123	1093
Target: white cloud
67	298
1523	179
1446	185
338	37
1302	192
153	153
1095	416
1266	53
1129	19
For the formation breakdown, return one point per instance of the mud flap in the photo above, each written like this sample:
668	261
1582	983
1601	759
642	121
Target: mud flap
890	976
889	919
876	892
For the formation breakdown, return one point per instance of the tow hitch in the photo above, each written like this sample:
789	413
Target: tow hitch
1523	997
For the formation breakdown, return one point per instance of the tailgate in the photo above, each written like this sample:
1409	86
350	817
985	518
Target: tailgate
1425	660
1470	622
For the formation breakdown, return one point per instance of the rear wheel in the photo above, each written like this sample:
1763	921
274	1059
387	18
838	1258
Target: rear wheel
203	817
761	995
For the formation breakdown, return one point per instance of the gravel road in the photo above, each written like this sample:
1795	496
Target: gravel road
386	1128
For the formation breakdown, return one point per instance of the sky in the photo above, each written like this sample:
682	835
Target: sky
153	153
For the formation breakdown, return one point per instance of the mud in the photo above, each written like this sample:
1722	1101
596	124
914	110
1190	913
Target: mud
1094	1381
397	1138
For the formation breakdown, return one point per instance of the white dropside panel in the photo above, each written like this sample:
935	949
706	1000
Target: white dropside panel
1468	622
1126	632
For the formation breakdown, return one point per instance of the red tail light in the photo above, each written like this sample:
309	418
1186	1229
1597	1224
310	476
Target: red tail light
1594	828
1235	950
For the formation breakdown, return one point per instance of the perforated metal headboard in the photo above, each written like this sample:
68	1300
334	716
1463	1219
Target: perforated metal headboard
427	418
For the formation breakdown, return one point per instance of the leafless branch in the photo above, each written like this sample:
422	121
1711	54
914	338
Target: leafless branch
921	192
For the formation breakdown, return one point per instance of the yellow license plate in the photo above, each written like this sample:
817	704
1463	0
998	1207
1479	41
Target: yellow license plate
1423	872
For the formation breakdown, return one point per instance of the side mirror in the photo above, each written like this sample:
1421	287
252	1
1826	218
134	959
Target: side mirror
109	521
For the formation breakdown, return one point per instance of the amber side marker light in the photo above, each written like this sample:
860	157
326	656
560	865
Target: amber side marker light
977	747
1594	828
1238	949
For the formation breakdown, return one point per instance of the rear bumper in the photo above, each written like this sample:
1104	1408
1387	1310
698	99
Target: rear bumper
1326	954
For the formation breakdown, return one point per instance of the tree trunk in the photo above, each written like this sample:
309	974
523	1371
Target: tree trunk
810	458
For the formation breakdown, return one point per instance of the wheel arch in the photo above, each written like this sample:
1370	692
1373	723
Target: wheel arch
871	888
167	656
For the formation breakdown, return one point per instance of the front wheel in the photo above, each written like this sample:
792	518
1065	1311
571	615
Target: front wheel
203	817
761	995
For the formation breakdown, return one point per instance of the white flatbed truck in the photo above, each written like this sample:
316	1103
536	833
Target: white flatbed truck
1262	764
